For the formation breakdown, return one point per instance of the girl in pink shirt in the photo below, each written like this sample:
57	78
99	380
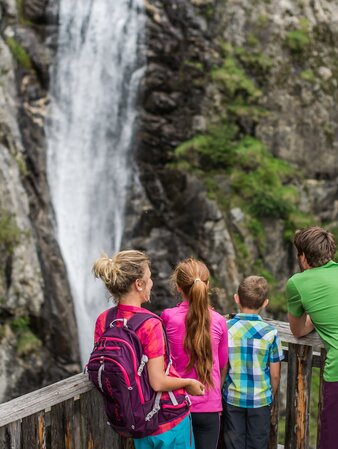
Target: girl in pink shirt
198	341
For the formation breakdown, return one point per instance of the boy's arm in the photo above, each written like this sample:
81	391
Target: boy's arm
275	376
223	374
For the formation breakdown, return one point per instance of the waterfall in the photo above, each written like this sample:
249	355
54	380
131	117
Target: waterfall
93	93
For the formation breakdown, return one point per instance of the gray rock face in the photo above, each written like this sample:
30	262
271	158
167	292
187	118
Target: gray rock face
35	304
298	91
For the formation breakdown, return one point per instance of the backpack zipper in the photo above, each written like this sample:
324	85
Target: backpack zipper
137	379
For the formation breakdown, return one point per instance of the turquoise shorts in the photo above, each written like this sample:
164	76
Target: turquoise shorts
179	437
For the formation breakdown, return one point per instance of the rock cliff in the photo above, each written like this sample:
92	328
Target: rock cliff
238	136
38	334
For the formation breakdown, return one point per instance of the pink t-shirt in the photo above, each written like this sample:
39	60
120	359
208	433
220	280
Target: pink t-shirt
174	322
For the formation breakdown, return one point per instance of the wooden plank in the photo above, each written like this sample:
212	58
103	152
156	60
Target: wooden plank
14	430
127	443
4	438
95	433
320	399
62	433
312	339
10	436
298	397
44	398
273	440
33	432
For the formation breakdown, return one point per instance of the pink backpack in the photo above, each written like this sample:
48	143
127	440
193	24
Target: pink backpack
117	367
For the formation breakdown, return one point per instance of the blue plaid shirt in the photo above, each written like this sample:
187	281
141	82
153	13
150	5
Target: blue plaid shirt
253	345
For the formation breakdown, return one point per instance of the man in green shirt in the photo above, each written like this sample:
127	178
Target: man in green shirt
313	304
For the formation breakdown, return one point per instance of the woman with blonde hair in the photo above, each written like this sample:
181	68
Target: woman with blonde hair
199	346
127	277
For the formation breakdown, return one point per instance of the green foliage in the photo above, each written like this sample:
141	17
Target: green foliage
297	41
241	250
308	75
21	14
296	220
253	60
27	341
22	166
256	176
334	231
277	302
258	180
19	53
234	80
210	150
10	234
314	397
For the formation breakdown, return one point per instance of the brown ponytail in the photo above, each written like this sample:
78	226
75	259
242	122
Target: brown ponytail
192	277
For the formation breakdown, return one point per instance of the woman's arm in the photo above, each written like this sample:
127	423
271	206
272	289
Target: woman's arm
160	382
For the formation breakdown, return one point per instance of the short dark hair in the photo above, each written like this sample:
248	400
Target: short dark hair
252	292
318	245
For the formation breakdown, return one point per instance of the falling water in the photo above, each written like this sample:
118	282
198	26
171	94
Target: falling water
94	87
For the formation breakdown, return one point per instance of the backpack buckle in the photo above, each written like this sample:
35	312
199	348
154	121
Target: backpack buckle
123	320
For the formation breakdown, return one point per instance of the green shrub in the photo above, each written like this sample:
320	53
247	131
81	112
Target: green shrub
234	79
308	75
19	53
27	342
10	233
208	151
297	41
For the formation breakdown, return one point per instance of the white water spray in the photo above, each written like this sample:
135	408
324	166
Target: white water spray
94	88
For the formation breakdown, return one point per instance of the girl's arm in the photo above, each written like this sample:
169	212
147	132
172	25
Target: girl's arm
160	382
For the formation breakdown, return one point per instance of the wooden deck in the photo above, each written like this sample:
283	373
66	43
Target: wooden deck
69	414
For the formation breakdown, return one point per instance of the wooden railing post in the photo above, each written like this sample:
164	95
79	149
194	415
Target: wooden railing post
298	397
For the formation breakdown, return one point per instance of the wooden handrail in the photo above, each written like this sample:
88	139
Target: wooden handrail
44	398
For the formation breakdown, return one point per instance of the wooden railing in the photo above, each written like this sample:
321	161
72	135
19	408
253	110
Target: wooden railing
70	415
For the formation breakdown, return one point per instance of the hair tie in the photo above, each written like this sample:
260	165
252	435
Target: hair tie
196	280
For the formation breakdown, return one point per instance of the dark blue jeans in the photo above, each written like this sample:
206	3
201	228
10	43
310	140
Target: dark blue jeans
246	428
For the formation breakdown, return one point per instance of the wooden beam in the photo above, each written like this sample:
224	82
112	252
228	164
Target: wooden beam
298	397
43	399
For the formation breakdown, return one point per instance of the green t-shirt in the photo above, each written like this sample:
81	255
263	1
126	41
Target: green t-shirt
315	291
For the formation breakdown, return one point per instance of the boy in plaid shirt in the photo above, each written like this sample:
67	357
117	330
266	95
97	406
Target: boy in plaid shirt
255	353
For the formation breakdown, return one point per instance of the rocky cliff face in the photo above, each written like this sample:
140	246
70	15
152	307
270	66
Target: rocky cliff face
236	147
37	328
236	75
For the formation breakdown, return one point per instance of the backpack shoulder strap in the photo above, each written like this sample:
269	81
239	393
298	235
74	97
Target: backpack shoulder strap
111	316
139	318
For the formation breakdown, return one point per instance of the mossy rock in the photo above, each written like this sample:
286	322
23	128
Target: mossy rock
19	53
10	233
